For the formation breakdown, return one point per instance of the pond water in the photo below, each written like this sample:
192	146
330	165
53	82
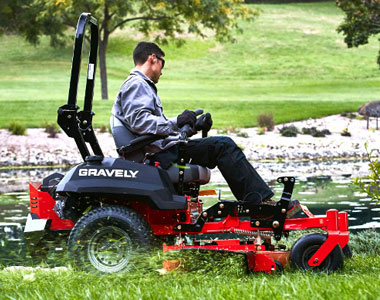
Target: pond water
319	186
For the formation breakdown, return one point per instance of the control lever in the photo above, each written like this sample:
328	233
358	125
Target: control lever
186	128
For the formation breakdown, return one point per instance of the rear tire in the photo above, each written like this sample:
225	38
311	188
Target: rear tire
305	248
108	239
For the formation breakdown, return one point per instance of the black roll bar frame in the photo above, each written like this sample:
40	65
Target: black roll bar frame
78	125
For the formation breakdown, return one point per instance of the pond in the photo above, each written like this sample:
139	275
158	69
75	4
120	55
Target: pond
319	185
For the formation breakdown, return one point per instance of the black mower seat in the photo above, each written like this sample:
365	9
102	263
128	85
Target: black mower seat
131	147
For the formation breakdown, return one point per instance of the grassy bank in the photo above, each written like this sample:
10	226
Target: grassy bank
214	280
290	62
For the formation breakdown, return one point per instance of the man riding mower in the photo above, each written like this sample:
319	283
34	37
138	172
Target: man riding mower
111	208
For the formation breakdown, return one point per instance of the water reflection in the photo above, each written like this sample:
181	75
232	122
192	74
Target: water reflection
319	193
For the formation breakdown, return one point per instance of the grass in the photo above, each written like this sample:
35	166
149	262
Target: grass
218	280
290	62
204	276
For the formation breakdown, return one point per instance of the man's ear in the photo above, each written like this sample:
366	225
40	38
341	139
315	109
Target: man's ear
152	59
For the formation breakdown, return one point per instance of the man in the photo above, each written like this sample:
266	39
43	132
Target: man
139	108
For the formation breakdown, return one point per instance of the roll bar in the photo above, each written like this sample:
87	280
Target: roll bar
78	125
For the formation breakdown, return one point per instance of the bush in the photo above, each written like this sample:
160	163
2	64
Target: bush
345	132
103	129
260	131
326	132
266	121
365	242
16	128
229	130
243	134
313	131
289	131
51	129
370	184
348	115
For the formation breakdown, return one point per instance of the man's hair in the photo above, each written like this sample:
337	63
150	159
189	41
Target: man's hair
143	50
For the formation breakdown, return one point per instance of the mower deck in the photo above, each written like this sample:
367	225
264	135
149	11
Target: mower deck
261	256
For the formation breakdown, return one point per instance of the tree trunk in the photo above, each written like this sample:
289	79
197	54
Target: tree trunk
103	67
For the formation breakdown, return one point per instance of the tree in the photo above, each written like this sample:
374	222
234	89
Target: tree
362	21
160	18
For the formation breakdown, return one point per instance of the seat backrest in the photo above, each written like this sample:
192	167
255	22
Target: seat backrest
123	137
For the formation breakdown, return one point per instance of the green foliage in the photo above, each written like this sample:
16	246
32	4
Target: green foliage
289	131
52	129
313	131
261	131
345	132
266	121
370	184
242	134
161	20
365	243
16	128
104	128
359	279
361	22
266	70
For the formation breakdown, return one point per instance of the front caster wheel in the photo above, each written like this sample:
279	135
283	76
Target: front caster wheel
109	239
279	267
305	248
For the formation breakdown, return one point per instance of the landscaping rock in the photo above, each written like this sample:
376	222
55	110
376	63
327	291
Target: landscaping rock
36	149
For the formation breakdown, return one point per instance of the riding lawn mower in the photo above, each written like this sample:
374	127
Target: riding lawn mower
109	208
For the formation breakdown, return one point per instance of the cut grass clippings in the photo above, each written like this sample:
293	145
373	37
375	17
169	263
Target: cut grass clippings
202	275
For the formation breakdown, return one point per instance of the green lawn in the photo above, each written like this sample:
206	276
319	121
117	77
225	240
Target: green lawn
213	279
290	62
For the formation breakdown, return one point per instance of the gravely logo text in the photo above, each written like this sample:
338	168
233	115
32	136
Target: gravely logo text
108	173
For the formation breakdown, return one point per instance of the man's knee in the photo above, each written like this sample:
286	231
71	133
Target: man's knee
230	148
223	140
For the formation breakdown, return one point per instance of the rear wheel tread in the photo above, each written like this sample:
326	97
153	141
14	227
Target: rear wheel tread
122	221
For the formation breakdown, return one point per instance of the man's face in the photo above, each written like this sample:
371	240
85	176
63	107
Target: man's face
157	64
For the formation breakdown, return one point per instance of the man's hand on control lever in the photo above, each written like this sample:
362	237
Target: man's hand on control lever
189	123
187	117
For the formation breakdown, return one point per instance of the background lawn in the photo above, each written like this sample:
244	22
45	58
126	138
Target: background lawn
290	62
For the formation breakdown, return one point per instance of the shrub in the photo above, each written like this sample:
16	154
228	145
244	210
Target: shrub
345	132
51	129
348	115
289	131
16	128
266	120
260	131
326	132
318	133
103	129
313	131
229	130
243	134
310	130
365	242
370	184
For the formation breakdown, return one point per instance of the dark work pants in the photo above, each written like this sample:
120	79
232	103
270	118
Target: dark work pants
222	152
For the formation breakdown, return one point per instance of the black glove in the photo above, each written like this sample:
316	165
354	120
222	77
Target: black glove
187	117
204	122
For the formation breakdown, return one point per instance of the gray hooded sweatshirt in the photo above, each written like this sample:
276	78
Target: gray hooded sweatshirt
139	108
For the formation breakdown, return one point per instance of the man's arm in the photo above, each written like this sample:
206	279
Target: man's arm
138	106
